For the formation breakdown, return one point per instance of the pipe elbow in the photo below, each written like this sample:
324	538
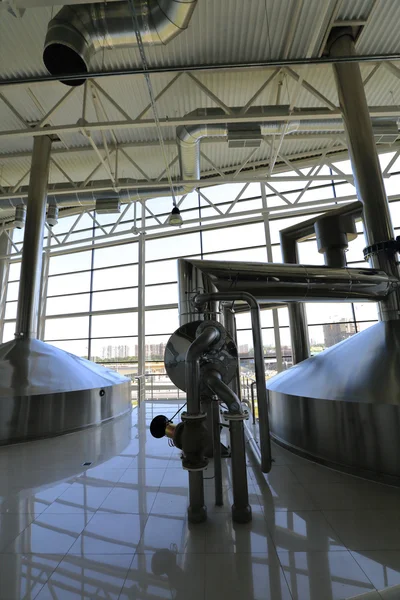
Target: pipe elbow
171	17
77	32
68	46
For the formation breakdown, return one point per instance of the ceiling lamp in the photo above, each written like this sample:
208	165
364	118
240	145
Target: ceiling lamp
52	215
175	218
20	216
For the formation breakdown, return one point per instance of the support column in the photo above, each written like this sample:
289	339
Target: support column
365	162
32	254
142	314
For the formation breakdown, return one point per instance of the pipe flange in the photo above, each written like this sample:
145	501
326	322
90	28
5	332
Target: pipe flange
218	344
199	417
244	416
202	468
389	246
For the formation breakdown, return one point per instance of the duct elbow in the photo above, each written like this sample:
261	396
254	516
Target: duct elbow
77	32
67	47
171	17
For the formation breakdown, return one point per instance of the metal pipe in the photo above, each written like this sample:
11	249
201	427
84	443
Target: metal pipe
295	283
77	32
241	510
297	312
280	63
191	281
217	453
32	254
188	137
259	366
197	511
365	163
229	322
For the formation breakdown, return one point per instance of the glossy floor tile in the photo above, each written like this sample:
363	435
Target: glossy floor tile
103	514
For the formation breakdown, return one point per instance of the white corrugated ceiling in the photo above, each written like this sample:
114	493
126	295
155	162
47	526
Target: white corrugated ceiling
223	31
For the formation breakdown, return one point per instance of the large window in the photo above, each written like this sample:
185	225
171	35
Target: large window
91	295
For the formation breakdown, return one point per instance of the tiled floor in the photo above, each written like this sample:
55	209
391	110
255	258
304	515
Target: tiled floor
117	528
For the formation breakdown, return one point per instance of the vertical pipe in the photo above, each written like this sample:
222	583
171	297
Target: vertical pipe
31	267
275	318
141	318
297	310
229	322
364	159
241	509
259	364
217	453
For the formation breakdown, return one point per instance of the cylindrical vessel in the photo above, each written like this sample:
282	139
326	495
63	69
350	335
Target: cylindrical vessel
31	266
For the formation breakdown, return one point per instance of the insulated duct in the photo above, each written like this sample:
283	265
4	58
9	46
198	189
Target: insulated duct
77	32
188	137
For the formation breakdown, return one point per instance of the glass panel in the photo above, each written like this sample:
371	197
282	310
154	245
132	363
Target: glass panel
277	224
163	271
328	312
77	347
366	312
251	254
67	284
115	278
355	250
365	325
178	245
11	310
14	271
68	328
116	255
327	335
110	349
114	325
276	254
12	291
243	320
8	331
162	321
234	237
308	253
161	294
115	299
68	304
317	339
77	261
155	347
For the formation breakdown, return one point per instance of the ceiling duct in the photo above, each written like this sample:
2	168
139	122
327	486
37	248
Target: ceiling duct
77	32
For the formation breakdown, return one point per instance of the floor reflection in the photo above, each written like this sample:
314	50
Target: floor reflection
117	528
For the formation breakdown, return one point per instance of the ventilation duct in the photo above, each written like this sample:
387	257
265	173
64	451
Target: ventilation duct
250	134
77	32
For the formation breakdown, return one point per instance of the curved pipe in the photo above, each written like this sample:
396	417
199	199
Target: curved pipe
259	365
224	392
77	32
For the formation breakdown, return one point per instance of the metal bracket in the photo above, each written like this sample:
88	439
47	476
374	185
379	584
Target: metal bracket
389	246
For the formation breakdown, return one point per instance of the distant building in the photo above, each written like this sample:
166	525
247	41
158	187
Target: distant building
244	349
337	332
